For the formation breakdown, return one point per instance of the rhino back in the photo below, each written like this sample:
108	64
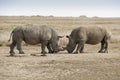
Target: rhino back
34	34
91	35
95	35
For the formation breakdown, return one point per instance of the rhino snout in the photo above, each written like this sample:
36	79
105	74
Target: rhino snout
60	48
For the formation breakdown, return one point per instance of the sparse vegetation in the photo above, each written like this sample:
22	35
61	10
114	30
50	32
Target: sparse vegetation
62	66
63	25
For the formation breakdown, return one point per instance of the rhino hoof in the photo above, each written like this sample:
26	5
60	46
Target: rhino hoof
11	54
51	52
102	51
82	52
105	52
21	53
44	52
43	55
76	52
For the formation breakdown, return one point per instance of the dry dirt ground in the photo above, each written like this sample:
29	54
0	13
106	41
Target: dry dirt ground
60	66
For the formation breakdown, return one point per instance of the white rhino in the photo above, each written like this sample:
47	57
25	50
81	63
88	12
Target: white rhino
35	34
89	35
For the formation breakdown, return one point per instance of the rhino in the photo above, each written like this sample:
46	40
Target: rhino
88	35
35	34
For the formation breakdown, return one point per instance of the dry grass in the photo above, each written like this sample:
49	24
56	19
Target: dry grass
62	66
63	25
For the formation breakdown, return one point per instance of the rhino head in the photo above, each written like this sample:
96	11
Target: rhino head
55	46
71	44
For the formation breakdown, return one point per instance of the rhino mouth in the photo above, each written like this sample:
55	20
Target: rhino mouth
70	51
60	48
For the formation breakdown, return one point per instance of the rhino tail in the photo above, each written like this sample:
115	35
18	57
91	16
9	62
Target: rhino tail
10	36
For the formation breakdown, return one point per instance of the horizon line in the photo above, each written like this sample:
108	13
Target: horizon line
84	16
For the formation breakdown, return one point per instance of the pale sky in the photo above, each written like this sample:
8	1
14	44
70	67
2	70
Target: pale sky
75	8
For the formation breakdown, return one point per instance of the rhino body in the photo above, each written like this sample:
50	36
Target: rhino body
35	34
88	35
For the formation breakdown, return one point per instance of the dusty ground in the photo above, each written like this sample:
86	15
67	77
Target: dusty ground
61	66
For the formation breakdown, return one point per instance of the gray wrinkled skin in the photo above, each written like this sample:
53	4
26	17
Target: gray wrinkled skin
88	35
35	34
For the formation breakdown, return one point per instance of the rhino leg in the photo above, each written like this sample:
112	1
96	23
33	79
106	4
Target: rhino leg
102	46
49	48
12	46
106	47
43	45
80	47
19	47
81	50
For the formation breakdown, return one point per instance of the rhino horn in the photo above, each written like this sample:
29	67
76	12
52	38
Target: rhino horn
64	48
60	36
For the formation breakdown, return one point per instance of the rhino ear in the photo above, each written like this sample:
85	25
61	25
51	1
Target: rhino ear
68	37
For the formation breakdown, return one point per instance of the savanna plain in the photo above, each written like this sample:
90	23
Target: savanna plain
90	65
